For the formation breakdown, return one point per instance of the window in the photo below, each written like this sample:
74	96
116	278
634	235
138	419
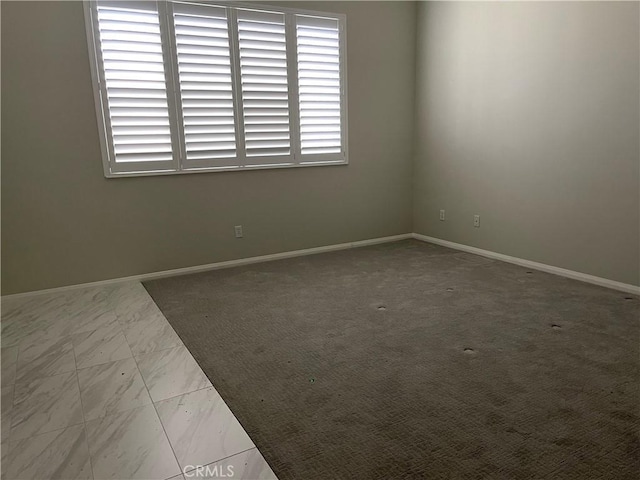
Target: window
188	87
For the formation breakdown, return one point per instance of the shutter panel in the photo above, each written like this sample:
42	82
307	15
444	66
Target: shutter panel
134	84
319	89
206	87
263	75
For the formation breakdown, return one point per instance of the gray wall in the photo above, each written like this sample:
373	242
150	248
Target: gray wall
528	115
63	223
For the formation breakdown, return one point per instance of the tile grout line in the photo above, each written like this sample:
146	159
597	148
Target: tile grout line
52	431
155	409
15	383
185	393
198	390
84	421
155	351
226	458
182	472
76	370
110	361
19	345
3	471
150	351
13	398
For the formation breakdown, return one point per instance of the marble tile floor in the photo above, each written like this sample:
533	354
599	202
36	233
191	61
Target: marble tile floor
96	384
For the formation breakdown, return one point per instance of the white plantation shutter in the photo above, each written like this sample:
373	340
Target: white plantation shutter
263	76
319	85
134	86
183	86
206	86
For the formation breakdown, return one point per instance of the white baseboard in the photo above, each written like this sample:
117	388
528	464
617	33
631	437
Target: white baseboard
603	282
563	272
215	266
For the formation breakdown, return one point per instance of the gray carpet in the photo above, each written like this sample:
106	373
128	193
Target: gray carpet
409	360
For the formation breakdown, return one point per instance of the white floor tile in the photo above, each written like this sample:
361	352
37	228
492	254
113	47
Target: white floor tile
90	320
131	445
9	358
150	334
44	405
201	428
45	358
171	372
111	387
54	316
53	344
26	317
127	299
7	398
7	410
103	345
4	461
61	454
5	428
249	465
137	305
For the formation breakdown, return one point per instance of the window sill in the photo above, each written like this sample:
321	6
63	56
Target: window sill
222	169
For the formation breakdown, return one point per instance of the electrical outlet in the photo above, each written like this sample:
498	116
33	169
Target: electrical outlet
442	215
238	229
476	221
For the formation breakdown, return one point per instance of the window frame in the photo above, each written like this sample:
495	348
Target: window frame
179	164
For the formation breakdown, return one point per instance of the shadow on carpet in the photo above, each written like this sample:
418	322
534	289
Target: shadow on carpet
410	360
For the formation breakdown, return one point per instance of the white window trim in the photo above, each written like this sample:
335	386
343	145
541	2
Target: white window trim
177	165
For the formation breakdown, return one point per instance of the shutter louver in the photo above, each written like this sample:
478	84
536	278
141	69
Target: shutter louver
206	88
263	74
135	84
319	89
190	87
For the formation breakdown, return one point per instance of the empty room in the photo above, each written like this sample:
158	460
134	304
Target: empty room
319	240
